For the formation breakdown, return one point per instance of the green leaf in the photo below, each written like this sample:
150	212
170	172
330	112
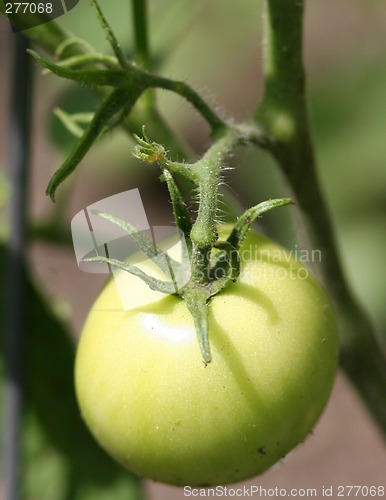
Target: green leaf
229	268
84	60
106	111
148	247
180	210
244	222
90	77
199	309
70	122
153	283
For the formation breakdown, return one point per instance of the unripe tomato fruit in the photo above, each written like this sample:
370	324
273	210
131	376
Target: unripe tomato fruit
150	401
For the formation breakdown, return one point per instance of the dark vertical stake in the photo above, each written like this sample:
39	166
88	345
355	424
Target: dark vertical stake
19	144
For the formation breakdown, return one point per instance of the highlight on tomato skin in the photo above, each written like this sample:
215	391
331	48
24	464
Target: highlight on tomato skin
153	405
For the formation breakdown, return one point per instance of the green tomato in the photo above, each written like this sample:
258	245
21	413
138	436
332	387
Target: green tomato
151	402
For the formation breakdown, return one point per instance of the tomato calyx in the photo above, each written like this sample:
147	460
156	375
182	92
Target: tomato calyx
214	263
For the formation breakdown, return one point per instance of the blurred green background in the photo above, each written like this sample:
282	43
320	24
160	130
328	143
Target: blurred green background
216	46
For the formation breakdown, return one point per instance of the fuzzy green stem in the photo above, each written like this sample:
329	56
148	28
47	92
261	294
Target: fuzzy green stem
110	36
142	51
141	33
200	261
153	152
208	169
181	214
204	233
184	90
283	113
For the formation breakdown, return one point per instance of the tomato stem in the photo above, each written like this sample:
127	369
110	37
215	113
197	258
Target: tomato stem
204	233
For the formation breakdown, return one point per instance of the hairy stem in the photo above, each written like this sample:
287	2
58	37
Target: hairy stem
110	36
141	33
184	90
283	113
204	233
